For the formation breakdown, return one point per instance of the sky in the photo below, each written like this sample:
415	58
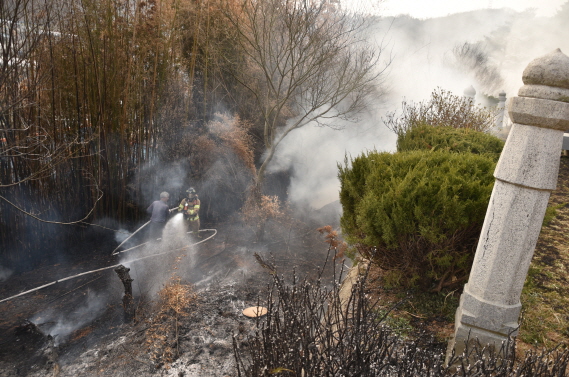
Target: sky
440	8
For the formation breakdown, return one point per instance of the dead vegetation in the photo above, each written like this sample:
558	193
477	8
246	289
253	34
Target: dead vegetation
259	209
162	336
311	330
545	298
187	333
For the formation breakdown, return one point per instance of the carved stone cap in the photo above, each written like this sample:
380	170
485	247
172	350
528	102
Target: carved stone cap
551	70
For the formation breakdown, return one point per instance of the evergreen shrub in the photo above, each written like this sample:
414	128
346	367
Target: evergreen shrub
419	213
449	139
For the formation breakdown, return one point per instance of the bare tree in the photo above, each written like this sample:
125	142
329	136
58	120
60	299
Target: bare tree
20	34
474	58
39	153
306	62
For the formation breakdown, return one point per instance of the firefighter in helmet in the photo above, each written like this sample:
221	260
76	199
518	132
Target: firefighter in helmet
190	207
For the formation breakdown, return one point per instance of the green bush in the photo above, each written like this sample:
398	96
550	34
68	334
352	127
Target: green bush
449	139
418	213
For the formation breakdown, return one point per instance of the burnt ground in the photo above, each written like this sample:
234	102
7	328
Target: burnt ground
77	327
94	340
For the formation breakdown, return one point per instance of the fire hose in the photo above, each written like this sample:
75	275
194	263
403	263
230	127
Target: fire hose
114	266
158	239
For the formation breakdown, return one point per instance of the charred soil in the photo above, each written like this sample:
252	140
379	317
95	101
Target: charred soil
185	322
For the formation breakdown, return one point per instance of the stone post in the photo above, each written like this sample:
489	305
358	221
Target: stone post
525	176
500	110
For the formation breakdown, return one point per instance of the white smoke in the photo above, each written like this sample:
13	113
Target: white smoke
438	8
422	61
313	153
61	325
121	235
5	273
171	256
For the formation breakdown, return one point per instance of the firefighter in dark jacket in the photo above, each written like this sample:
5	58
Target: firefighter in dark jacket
159	216
190	207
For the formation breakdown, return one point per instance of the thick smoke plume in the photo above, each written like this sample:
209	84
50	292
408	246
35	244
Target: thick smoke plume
486	49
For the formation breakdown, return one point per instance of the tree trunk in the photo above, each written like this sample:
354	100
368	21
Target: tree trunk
127	300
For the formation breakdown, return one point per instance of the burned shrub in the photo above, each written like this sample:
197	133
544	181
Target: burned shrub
230	170
314	330
258	210
216	158
417	214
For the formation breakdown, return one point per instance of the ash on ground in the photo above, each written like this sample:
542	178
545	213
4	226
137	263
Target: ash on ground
225	279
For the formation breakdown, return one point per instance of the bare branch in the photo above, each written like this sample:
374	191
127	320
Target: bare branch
306	63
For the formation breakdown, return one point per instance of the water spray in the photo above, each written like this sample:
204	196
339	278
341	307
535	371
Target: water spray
136	231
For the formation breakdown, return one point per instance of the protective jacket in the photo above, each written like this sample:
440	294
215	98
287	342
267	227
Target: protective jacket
190	208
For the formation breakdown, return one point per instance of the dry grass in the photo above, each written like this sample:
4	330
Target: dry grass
545	298
162	334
